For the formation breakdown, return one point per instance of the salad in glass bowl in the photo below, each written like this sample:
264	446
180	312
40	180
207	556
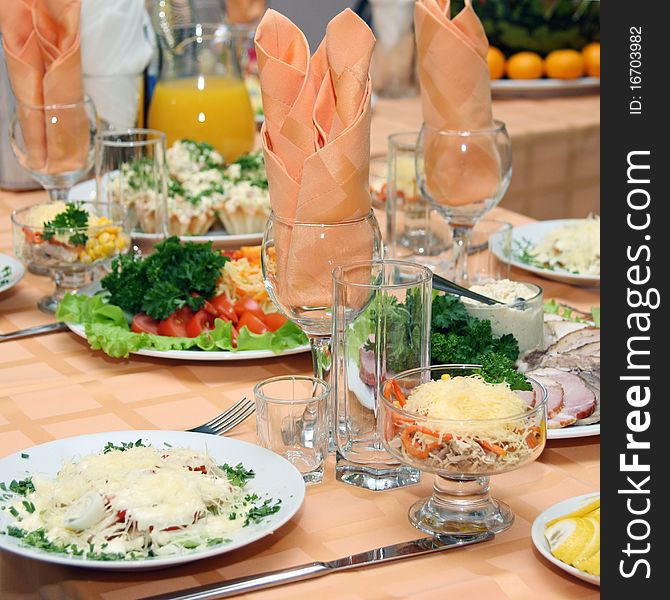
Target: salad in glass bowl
71	240
463	425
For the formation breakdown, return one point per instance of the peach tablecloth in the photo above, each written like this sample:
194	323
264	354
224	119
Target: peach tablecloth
555	145
53	386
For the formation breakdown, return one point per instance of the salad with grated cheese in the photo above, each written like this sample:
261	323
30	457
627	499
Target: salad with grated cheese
574	247
465	425
133	502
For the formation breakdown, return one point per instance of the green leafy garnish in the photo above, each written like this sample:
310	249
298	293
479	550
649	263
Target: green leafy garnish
458	337
553	307
22	487
72	217
237	475
259	512
111	447
5	275
166	280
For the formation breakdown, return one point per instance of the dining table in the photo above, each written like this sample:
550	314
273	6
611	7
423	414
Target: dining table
54	386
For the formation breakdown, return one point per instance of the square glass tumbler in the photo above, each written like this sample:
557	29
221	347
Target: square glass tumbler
381	322
291	413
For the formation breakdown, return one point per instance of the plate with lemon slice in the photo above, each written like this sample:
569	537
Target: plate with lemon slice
568	535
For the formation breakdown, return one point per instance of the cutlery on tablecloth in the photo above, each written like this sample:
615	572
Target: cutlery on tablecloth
228	419
40	329
240	585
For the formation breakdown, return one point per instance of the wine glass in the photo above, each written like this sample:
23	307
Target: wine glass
54	143
74	251
464	174
297	262
462	454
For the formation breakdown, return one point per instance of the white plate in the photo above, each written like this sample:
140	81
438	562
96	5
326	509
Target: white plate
535	233
275	477
195	355
86	190
540	542
573	431
544	87
17	271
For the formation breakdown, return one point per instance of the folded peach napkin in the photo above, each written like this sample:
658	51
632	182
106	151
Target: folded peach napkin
244	11
316	141
455	95
41	43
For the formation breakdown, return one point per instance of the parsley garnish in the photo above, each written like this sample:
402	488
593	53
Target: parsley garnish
5	275
111	447
71	218
258	513
237	475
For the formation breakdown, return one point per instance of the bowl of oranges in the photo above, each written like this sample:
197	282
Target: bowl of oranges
560	71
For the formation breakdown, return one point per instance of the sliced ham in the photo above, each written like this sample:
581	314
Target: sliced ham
528	397
579	401
368	367
575	339
554	394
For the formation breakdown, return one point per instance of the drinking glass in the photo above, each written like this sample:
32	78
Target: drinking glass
54	143
131	170
297	262
464	174
381	315
414	229
291	420
462	454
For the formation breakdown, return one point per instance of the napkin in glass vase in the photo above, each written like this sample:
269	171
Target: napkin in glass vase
116	47
244	11
42	51
316	141
455	95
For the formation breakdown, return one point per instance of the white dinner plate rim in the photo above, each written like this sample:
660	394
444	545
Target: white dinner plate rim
87	190
544	85
192	355
18	271
284	474
540	542
533	232
573	431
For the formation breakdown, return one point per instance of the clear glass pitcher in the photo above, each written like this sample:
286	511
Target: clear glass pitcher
200	94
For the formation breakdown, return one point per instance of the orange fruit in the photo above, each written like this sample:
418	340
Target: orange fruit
525	65
496	60
591	55
564	64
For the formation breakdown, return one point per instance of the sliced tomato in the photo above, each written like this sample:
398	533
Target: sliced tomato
274	321
248	304
252	322
175	324
235	333
143	323
200	321
224	307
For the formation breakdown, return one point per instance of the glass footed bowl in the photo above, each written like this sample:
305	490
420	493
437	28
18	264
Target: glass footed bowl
462	454
73	256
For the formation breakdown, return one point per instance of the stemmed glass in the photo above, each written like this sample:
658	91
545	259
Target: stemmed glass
297	261
54	143
464	174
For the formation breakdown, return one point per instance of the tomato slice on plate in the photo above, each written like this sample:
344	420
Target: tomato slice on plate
252	322
175	324
200	321
143	323
224	307
248	304
274	321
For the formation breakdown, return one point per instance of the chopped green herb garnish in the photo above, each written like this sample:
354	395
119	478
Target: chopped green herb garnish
24	455
29	506
111	447
73	217
238	475
258	513
22	487
5	275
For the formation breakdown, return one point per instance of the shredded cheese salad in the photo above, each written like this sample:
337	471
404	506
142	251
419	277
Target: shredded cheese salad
133	502
466	425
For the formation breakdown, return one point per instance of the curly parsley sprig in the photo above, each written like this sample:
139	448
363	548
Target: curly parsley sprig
73	217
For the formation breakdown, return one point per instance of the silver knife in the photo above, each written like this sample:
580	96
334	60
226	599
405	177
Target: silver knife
251	583
22	333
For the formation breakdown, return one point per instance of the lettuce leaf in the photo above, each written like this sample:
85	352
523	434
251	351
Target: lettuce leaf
107	329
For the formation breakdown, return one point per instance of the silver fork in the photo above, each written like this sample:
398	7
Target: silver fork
228	419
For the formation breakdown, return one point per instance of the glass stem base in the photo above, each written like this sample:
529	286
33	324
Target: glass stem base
461	507
375	477
65	282
322	363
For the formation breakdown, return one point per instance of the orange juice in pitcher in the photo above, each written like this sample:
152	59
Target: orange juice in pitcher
200	94
214	109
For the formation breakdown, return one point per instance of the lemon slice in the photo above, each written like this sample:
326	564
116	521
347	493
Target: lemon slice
591	565
592	546
569	537
580	512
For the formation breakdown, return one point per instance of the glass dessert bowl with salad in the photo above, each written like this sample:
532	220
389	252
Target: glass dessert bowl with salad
74	241
462	425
